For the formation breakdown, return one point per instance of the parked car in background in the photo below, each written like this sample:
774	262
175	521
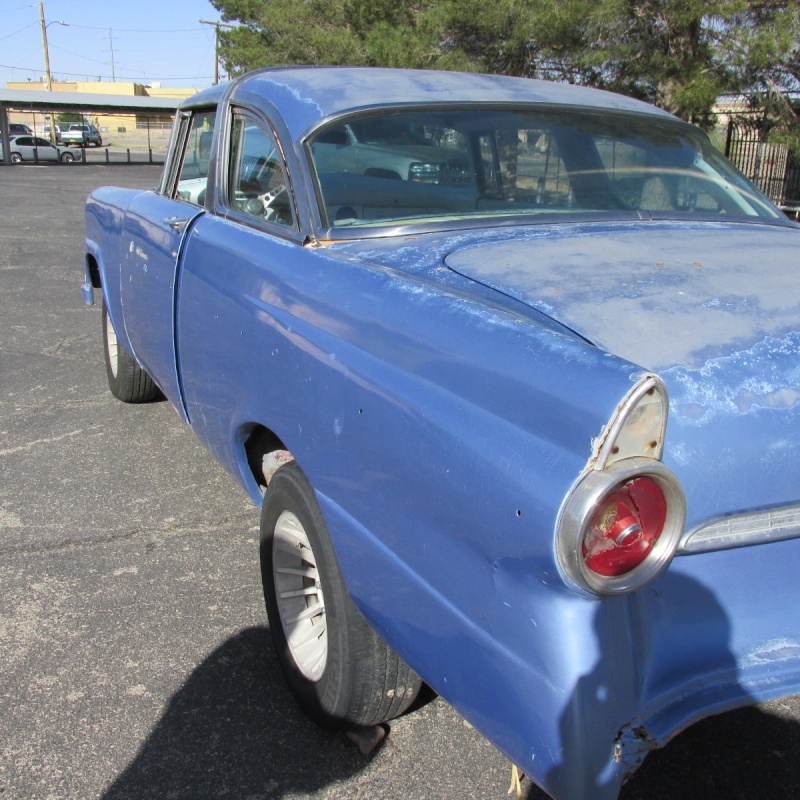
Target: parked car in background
385	148
17	129
58	132
519	400
82	135
34	148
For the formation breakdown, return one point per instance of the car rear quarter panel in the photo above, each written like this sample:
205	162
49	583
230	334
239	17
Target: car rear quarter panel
441	435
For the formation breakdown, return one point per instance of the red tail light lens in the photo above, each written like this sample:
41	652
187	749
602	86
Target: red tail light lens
619	527
624	528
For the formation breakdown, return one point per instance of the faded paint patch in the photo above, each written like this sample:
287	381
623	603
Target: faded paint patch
776	650
656	294
765	376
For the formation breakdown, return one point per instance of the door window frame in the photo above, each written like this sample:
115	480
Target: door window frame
231	212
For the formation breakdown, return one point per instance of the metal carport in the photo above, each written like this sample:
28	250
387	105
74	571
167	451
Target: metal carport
53	102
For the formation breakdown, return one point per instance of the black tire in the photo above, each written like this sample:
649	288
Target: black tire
361	681
126	379
16	158
67	157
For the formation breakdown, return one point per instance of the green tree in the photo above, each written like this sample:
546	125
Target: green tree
402	33
683	54
68	117
286	32
679	54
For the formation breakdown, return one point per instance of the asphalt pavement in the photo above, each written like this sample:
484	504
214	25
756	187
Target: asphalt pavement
134	653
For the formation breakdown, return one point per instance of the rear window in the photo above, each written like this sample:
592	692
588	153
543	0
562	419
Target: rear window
436	165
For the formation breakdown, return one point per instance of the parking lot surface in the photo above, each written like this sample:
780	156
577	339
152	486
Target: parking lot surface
134	652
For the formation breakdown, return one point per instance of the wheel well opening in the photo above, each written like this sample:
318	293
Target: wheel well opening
266	453
94	270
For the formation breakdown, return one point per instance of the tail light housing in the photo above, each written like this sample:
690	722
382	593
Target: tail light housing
621	523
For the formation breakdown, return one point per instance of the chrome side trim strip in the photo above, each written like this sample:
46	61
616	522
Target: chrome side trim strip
742	530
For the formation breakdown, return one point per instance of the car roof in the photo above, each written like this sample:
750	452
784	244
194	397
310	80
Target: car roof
304	96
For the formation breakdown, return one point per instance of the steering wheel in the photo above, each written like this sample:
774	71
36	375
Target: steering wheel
274	202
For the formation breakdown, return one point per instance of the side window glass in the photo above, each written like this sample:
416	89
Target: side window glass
193	177
257	183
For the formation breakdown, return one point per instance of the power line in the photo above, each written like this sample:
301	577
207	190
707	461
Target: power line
129	71
77	55
138	30
24	29
217	24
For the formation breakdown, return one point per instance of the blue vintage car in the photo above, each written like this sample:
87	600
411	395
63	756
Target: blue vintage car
513	374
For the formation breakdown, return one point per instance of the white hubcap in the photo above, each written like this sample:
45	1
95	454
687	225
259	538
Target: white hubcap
112	347
299	595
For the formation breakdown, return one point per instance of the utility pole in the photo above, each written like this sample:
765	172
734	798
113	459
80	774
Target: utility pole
47	81
48	84
111	45
217	25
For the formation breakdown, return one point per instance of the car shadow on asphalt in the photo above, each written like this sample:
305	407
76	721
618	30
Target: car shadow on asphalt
233	730
741	755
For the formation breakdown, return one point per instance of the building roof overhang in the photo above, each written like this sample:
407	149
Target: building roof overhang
37	100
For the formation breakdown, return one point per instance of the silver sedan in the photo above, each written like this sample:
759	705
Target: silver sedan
34	148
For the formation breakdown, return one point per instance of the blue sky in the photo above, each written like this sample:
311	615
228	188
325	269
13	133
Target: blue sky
151	40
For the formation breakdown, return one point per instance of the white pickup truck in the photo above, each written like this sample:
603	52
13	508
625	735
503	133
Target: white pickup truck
82	135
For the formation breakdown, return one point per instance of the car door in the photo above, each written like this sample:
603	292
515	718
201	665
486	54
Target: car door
24	146
156	225
226	276
45	151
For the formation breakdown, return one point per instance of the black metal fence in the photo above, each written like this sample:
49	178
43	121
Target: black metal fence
119	155
103	155
770	166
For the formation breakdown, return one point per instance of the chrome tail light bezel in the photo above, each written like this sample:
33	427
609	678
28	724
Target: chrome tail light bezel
629	447
580	505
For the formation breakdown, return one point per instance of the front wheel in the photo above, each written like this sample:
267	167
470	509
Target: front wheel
126	379
338	668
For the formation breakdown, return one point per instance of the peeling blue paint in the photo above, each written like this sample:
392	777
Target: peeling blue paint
767	375
659	294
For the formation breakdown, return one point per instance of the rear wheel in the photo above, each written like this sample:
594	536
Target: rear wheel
126	379
16	158
339	669
67	157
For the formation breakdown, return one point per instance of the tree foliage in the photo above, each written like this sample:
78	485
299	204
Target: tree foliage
679	54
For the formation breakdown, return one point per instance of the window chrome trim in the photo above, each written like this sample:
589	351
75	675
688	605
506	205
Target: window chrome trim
175	150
